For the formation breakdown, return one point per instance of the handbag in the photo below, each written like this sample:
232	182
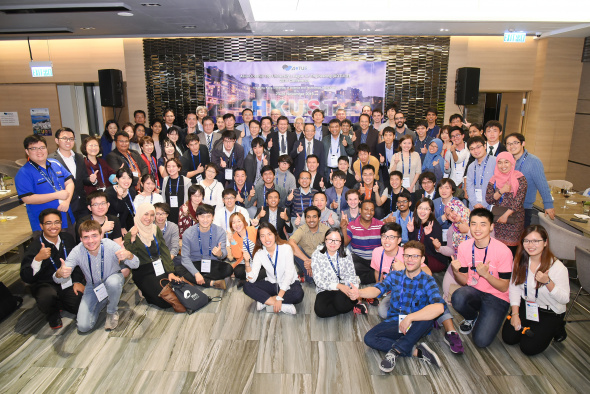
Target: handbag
190	296
498	211
170	297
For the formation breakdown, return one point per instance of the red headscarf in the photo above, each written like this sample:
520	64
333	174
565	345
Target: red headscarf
512	176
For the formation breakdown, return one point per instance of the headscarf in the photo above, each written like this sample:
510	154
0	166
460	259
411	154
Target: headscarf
432	157
500	179
464	212
146	233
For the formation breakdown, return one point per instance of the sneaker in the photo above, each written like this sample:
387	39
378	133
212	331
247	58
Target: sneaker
301	278
466	326
289	309
388	363
55	321
260	306
428	355
454	341
373	301
112	321
220	284
360	309
561	334
241	284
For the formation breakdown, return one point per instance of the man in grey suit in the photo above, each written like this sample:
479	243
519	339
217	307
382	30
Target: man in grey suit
335	146
208	137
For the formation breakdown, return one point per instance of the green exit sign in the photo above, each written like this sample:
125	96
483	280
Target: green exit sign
41	69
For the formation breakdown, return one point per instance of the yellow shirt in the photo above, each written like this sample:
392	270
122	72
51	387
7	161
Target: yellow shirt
372	161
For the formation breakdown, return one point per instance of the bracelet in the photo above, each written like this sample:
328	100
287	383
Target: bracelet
514	313
548	281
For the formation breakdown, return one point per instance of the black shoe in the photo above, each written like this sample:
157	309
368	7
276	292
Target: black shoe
55	321
561	334
240	284
388	363
19	301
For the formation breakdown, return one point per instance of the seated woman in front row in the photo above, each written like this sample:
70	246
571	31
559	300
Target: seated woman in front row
541	281
333	274
145	240
242	243
281	290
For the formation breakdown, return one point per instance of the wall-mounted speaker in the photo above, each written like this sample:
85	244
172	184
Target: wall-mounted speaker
110	82
467	86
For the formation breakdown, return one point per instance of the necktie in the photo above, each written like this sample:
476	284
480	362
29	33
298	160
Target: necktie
491	152
209	143
283	148
308	148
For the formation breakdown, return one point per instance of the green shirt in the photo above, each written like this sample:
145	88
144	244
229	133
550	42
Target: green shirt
138	249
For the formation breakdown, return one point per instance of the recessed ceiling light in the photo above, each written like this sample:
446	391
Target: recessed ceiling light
366	29
444	29
87	28
289	30
151	4
125	13
189	27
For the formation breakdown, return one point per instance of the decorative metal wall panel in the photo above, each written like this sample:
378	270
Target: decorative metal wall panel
417	67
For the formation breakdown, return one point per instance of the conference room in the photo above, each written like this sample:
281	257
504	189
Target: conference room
184	143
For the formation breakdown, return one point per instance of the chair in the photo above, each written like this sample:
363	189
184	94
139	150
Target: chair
560	184
21	162
583	266
586	192
562	240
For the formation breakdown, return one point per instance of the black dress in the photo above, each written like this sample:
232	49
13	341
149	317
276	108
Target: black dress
175	187
123	209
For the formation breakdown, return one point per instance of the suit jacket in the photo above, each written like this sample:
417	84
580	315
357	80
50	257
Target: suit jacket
418	194
116	158
275	150
214	140
236	162
190	164
384	168
325	131
372	139
318	178
501	148
78	203
281	224
347	150
299	158
250	166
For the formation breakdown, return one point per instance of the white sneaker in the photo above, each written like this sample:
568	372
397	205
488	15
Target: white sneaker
288	309
260	306
112	321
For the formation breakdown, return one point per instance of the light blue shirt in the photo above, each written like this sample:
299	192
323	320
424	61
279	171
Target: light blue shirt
404	223
478	177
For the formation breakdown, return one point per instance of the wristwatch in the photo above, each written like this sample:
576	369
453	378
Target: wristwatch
279	298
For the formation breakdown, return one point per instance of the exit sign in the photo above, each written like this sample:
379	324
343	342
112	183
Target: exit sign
41	69
514	37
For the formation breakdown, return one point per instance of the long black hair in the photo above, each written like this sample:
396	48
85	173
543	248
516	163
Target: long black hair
342	248
266	225
431	217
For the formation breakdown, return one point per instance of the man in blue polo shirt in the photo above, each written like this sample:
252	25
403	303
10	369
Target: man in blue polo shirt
415	304
43	183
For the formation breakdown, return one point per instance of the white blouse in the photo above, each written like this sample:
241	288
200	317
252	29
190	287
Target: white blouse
213	194
286	272
154	198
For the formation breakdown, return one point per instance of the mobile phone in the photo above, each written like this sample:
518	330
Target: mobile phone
579	220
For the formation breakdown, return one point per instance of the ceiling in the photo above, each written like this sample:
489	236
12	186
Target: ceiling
44	19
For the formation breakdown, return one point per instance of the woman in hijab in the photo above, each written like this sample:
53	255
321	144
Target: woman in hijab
145	240
433	161
506	192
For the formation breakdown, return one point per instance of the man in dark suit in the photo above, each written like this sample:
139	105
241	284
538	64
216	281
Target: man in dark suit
385	152
335	145
74	162
277	216
255	160
366	134
122	156
194	159
228	157
321	130
365	110
305	147
427	181
208	137
281	142
319	181
493	132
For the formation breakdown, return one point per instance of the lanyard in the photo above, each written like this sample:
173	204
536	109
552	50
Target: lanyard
101	174
226	221
210	189
274	266
381	264
526	279
420	232
198	157
51	258
247	244
301	195
165	228
157	246
210	241
47	177
338	150
522	162
473	256
337	272
132	208
485	164
501	195
401	298
130	161
170	186
284	180
101	264
409	164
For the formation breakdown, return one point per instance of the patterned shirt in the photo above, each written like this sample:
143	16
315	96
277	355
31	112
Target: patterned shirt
326	275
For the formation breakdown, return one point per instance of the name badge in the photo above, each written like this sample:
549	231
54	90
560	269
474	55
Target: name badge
333	162
69	283
173	201
478	196
199	178
444	234
135	174
158	267
458	174
406	182
206	266
532	311
101	292
402	317
229	174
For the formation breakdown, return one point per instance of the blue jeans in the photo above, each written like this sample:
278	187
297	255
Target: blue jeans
383	308
300	264
488	309
385	336
90	307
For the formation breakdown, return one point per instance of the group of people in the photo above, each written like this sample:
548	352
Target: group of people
365	212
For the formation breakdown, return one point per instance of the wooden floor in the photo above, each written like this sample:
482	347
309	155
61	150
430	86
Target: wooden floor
228	347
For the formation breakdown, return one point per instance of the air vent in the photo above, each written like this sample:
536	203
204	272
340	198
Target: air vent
48	30
63	8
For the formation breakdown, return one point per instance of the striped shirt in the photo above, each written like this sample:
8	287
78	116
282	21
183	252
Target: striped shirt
362	240
300	202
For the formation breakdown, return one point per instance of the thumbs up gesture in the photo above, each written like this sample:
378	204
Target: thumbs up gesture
64	271
270	143
265	161
290	196
456	264
262	213
217	250
44	253
375	188
381	158
362	188
344	142
322	182
331	221
200	169
331	173
107	226
92	177
447	165
423	150
123	254
483	269
344	221
300	147
298	221
396	158
353	137
252	192
222	163
284	215
334	204
436	243
542	277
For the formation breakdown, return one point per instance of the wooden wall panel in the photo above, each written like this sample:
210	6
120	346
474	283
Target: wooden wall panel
515	106
579	160
135	71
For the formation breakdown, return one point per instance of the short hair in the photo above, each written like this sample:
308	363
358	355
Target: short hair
201	107
229	134
169	110
312	208
193	189
120	133
190	113
122	171
60	130
258	141
89	226
447	181
494	123
176	161
96	194
317	110
320	193
313	157
352	191
265	118
271	192
405	193
86	141
475	139
377	110
364	148
147	177
347	121
247	110
482	213
207	119
343	158
212	166
455	116
422	123
368	167
285	159
339	174
255	122
267	168
163	206
228	191
427	175
283	117
415	245
227	116
518	136
363	202
431	111
138	111
146	140
48	211
389	129
477	126
456	128
238	170
190	138
392	106
302	172
204	209
367	115
33	139
335	121
391	226
397	174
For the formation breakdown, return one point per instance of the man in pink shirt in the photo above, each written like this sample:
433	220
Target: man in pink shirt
483	267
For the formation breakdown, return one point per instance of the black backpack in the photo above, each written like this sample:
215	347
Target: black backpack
190	296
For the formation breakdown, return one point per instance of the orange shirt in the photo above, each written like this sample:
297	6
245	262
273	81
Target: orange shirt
237	249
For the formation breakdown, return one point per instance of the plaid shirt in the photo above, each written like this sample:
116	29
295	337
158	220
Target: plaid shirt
409	295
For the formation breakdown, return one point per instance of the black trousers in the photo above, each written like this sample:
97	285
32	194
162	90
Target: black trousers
146	280
544	330
51	298
219	270
332	303
363	270
240	272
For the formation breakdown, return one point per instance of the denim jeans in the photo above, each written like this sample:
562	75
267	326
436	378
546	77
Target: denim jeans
90	307
385	336
488	309
301	265
384	307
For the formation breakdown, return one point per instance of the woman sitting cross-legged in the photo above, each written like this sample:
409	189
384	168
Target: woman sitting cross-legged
242	243
281	289
333	273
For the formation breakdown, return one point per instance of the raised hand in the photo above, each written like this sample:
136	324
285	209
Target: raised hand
123	254
344	143
381	158
428	228
435	163
64	271
121	192
396	158
239	198
456	264
284	216
483	269
44	253
331	221
200	169
436	243
290	196
134	231
254	222
222	163
344	221
300	147
322	182
506	188
331	173
447	165
262	213
375	188
423	150
252	192
298	220
107	226
353	137
542	277
334	205
269	143
357	177
217	250
93	177
410	226
264	161
362	188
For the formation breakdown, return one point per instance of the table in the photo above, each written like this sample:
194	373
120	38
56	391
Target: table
12	192
565	215
13	233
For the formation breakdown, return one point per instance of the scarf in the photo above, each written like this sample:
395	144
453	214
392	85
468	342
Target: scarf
146	233
463	212
432	157
500	179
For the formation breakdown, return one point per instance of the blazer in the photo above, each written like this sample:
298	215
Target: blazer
281	224
191	163
383	167
501	148
418	194
275	150
347	150
215	138
299	158
250	166
372	139
78	203
237	161
116	158
325	130
318	178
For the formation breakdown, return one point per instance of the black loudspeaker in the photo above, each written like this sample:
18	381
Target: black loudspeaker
111	87
467	86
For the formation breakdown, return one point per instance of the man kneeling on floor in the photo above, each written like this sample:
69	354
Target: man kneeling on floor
99	260
411	316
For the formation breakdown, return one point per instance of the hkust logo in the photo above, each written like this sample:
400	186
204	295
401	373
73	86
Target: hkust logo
286	67
187	294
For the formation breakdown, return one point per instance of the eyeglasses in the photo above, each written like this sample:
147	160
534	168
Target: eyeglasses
424	209
402	201
161	214
229	198
49	224
414	257
456	136
40	149
99	204
65	139
472	148
333	241
513	143
389	237
531	241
